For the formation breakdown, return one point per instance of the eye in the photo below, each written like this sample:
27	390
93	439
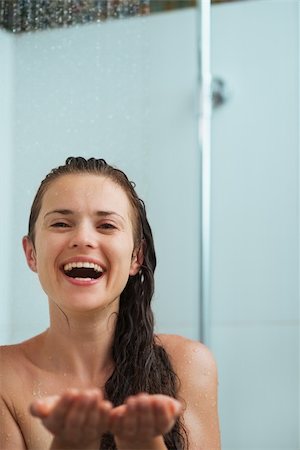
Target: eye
60	225
107	226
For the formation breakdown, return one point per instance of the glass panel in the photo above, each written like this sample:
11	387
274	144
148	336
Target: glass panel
125	90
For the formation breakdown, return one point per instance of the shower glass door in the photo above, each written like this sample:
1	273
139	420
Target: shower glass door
112	79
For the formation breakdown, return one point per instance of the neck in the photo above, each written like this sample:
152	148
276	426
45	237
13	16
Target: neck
81	343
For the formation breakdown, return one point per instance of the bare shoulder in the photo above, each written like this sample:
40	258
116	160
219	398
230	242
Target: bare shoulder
19	385
11	363
10	389
188	355
196	369
195	366
9	355
15	367
13	353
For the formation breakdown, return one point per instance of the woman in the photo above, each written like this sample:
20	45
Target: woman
98	377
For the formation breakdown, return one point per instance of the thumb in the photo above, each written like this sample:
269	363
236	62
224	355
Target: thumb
43	407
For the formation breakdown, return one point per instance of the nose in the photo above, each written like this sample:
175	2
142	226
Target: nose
83	235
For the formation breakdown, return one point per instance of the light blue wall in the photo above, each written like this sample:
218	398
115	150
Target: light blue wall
255	223
118	90
125	91
6	163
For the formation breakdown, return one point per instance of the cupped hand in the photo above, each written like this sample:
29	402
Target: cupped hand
76	418
143	419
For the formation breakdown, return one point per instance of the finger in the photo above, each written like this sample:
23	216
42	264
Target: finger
97	418
175	407
166	410
92	419
42	407
104	409
146	420
96	409
174	404
116	419
130	419
164	419
76	418
55	421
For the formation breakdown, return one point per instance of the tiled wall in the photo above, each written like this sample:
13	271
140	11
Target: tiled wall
255	217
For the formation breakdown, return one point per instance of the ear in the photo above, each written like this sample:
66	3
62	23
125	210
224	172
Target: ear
137	260
29	253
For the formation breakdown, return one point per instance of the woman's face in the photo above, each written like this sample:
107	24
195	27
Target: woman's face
84	246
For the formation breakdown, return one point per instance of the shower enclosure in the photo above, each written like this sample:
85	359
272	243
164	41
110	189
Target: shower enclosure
214	158
113	84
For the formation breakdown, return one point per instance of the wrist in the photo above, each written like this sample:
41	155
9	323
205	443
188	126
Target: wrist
58	444
156	443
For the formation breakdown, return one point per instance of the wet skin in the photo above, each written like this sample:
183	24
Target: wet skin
87	218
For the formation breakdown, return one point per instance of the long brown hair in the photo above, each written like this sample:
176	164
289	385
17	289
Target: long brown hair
141	364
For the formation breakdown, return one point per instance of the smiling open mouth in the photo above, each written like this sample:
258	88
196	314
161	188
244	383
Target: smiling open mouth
83	270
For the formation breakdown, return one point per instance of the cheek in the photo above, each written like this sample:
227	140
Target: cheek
45	254
120	250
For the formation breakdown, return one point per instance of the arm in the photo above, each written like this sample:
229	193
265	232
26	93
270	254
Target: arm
203	410
201	396
11	437
197	371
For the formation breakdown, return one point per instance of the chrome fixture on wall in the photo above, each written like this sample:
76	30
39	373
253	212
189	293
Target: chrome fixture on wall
219	92
32	15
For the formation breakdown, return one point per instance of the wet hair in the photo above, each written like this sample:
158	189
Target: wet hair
140	363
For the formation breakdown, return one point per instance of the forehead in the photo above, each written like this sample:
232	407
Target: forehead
88	190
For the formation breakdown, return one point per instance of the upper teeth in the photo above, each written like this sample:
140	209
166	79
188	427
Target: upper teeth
79	264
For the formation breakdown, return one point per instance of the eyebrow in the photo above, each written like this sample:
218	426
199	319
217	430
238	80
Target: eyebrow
69	212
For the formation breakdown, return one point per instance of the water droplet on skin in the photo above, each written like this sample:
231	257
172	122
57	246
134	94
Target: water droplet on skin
37	389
